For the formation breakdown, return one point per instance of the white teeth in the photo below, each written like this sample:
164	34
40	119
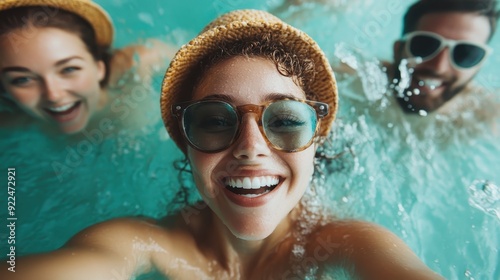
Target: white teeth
431	83
254	195
247	183
252	183
61	108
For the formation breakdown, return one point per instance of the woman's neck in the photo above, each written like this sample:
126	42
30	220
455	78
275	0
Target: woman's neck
239	255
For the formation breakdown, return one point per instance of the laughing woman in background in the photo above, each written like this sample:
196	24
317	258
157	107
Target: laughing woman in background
57	69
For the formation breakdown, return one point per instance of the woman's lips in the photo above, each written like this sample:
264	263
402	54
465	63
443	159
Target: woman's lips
250	191
64	113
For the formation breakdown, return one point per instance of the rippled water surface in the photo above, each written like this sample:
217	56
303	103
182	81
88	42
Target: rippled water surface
433	180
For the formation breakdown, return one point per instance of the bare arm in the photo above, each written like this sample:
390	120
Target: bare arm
104	251
146	59
375	252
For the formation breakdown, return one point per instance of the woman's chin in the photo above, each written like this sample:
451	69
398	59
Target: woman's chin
251	236
72	129
252	231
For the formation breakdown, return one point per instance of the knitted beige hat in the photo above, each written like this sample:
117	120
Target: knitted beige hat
91	12
238	26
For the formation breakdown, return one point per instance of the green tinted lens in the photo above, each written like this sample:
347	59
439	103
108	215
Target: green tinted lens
424	46
210	126
468	55
289	124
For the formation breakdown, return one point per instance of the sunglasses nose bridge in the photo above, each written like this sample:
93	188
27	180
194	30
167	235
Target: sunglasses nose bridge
449	46
441	62
250	140
249	108
256	110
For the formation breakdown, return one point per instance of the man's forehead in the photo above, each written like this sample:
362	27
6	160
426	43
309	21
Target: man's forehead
456	25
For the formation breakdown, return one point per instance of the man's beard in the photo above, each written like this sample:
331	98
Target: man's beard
405	96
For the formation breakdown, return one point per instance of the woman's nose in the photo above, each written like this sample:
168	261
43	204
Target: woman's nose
53	90
250	143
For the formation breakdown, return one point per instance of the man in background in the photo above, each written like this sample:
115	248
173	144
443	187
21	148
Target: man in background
445	42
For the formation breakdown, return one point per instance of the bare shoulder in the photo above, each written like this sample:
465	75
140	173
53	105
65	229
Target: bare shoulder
355	233
121	230
140	239
480	103
160	241
146	59
376	252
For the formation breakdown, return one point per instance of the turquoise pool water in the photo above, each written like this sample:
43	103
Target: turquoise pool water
435	188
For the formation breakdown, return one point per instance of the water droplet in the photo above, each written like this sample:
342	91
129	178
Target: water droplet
468	274
485	196
422	113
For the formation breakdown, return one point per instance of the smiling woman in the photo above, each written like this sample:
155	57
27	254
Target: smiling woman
264	95
56	66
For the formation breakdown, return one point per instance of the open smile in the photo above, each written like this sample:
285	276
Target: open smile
252	187
251	191
425	84
64	113
430	83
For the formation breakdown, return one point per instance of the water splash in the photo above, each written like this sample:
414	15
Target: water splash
311	215
485	196
468	274
406	68
369	69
